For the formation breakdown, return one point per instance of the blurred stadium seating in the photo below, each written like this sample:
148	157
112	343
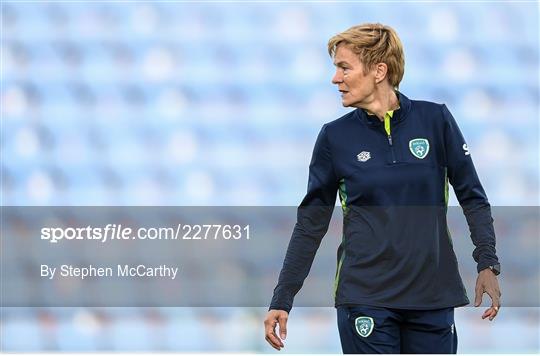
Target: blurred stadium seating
219	104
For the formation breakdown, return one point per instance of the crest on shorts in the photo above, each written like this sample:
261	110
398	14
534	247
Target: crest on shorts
419	147
364	325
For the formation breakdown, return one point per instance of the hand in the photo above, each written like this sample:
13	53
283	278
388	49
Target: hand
274	317
487	283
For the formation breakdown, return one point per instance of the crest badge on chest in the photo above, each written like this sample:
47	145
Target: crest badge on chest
419	147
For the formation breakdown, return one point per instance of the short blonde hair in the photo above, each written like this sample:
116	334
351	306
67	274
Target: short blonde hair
374	43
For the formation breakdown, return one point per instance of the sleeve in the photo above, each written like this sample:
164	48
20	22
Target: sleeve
469	192
313	218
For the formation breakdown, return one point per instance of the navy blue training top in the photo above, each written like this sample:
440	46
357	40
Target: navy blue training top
396	250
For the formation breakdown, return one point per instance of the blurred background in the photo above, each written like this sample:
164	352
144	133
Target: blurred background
148	103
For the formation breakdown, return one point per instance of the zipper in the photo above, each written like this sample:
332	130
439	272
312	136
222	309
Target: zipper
392	148
387	122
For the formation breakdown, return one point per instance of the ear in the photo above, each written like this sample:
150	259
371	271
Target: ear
380	72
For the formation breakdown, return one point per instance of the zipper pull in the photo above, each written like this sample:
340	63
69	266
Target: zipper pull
390	140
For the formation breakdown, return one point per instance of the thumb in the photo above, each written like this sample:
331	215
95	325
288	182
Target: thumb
282	327
478	297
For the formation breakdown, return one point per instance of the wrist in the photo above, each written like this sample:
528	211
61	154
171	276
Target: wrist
494	268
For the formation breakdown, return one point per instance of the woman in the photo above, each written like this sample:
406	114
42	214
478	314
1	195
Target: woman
390	159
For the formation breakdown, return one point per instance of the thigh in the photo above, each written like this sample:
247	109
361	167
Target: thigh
429	332
364	329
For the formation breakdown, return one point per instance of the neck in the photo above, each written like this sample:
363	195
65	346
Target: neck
382	102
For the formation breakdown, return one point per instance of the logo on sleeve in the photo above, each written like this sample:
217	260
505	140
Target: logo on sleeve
419	147
466	149
364	325
363	156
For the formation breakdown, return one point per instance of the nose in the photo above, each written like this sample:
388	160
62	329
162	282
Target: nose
338	77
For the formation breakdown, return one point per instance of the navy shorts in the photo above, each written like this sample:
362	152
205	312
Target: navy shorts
373	330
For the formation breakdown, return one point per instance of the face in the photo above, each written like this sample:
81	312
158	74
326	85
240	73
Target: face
356	88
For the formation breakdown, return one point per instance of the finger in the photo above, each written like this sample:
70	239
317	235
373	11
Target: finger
268	327
280	343
494	313
272	338
487	313
283	327
490	313
478	297
495	297
272	343
270	335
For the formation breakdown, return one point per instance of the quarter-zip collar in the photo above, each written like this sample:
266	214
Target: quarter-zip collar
399	114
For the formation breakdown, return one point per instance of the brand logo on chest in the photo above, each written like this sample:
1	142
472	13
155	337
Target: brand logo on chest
363	156
419	147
